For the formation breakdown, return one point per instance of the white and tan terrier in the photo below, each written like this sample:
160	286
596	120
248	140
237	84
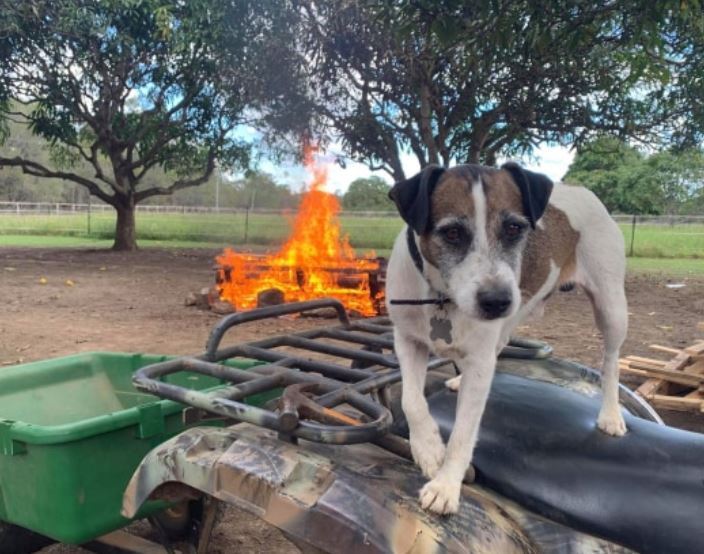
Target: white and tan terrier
483	249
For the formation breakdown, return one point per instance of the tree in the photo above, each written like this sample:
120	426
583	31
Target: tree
368	194
455	81
259	190
680	177
121	88
16	187
629	182
682	44
605	166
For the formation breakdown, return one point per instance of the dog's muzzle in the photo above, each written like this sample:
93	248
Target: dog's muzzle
494	303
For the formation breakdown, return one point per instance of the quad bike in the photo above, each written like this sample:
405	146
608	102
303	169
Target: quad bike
306	432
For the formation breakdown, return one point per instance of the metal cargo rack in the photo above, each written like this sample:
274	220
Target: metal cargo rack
334	385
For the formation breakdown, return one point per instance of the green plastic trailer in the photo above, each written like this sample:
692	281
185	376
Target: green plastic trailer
72	432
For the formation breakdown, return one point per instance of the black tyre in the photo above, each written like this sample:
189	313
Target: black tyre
176	521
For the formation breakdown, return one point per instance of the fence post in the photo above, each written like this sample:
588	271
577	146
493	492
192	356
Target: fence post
633	234
88	218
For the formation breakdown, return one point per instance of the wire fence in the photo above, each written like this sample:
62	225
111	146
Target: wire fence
646	236
235	226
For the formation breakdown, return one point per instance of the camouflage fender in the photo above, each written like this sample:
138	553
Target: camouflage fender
355	498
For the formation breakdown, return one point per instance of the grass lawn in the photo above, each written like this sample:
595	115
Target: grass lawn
670	266
34	241
666	241
677	248
236	229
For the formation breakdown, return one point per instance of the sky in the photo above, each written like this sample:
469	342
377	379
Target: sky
552	160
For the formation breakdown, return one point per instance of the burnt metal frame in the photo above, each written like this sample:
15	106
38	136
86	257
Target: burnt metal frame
334	383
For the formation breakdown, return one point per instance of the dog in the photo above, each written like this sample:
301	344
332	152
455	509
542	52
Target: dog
484	248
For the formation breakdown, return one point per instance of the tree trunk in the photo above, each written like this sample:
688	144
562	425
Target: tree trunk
426	130
125	230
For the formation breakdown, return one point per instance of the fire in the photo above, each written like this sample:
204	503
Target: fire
316	261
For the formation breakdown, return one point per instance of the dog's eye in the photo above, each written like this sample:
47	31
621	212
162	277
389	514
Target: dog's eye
453	235
513	230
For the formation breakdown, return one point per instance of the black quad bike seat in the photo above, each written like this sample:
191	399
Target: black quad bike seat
539	446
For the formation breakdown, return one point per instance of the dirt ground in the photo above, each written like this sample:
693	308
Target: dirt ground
59	302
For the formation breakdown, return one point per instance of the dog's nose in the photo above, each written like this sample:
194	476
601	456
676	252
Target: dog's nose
494	302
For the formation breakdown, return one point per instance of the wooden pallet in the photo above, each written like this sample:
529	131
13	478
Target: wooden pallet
674	384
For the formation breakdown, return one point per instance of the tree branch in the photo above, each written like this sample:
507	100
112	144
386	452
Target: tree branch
33	168
181	183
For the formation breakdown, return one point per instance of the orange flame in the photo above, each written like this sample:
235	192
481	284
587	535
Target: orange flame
315	262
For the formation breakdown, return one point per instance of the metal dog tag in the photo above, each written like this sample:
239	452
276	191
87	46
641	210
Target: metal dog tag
441	328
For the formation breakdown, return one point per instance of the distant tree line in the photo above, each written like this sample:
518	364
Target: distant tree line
370	194
630	181
254	190
145	99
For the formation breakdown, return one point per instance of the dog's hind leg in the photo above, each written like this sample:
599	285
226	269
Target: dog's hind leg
426	443
611	315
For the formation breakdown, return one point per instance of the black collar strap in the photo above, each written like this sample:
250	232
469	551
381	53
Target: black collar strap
413	249
418	262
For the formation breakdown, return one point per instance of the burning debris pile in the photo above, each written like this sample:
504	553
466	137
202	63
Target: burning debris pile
316	261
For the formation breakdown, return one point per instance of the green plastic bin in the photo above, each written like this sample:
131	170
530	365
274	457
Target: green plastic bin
72	432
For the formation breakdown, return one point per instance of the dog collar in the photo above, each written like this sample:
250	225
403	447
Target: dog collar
417	258
413	250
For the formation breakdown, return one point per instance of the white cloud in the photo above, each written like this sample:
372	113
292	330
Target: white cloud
553	160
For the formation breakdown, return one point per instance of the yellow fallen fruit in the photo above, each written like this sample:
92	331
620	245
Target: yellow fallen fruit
69	283
43	281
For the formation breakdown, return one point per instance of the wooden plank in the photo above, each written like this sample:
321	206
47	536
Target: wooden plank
697	367
678	377
642	365
649	361
665	349
678	362
121	542
650	387
676	403
695	349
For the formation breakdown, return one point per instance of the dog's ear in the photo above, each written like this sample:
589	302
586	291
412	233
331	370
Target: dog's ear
412	197
535	190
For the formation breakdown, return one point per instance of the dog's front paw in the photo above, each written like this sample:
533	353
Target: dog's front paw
441	496
612	423
454	383
428	451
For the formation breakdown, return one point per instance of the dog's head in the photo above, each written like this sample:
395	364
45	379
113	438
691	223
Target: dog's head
472	223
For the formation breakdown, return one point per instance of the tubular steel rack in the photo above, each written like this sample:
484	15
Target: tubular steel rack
319	383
